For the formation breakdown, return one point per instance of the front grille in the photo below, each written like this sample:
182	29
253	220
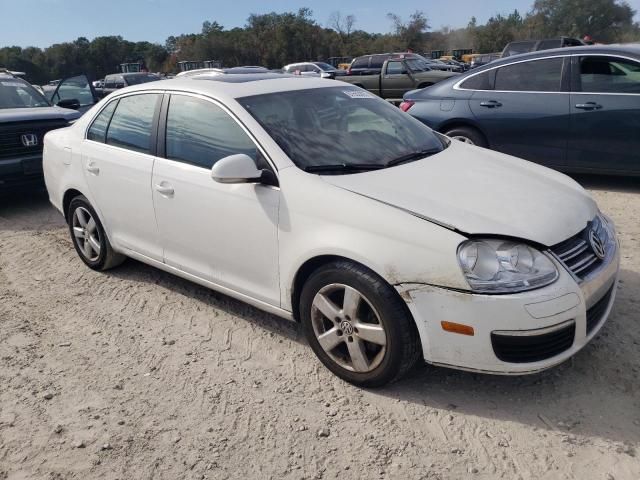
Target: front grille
532	348
596	312
11	145
578	254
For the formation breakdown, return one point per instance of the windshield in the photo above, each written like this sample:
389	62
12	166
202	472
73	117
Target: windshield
16	93
340	126
137	79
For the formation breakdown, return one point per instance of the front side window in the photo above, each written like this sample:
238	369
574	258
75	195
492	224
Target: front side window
132	122
609	75
341	126
395	68
534	76
75	88
201	133
98	130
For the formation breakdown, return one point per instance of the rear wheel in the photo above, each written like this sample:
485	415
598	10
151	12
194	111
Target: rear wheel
468	135
89	238
357	325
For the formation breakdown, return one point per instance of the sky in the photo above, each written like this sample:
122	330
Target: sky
41	23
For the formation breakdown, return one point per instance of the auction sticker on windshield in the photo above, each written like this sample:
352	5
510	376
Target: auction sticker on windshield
357	94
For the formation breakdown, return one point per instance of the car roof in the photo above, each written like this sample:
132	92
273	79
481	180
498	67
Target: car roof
238	86
630	48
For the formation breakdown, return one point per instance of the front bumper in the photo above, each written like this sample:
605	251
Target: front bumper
536	315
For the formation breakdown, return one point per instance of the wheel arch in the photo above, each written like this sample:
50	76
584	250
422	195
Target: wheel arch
69	195
312	264
460	122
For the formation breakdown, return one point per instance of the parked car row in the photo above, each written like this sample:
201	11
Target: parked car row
324	204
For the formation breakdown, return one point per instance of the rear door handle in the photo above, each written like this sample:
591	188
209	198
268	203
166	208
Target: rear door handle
92	168
491	104
166	190
589	106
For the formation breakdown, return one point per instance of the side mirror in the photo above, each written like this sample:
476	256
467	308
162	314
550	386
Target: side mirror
239	168
71	103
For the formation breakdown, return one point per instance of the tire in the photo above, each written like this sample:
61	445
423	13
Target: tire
379	330
89	238
467	135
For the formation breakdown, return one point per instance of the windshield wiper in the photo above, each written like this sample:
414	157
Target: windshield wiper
344	167
412	156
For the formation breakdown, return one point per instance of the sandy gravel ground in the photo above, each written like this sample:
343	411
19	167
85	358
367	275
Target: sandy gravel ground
135	374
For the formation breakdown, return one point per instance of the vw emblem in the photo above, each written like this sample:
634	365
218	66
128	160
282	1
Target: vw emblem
346	327
29	139
596	244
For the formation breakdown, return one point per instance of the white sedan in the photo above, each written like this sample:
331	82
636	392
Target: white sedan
318	202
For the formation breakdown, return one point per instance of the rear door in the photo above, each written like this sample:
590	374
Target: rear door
118	157
525	110
605	120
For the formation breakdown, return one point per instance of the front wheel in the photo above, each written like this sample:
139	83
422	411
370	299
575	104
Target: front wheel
89	238
357	325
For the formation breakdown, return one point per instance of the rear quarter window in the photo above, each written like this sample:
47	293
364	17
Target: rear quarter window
481	81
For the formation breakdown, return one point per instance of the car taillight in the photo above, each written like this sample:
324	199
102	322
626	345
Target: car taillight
404	106
349	71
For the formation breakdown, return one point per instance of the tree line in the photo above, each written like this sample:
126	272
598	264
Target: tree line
275	39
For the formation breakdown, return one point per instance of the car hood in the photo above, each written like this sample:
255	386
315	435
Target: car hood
478	191
37	113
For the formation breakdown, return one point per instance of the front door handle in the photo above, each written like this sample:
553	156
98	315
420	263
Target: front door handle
589	106
92	168
491	104
166	190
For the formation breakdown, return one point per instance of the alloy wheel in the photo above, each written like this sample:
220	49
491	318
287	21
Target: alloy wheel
86	234
348	328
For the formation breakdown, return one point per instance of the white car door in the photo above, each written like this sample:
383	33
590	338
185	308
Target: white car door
118	161
227	234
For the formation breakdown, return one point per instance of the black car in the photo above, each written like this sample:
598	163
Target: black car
372	64
25	117
526	46
572	109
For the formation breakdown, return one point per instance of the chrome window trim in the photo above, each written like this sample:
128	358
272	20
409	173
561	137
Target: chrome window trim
570	55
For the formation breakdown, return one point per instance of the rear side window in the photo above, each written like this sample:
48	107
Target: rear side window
98	130
609	75
360	62
377	61
535	76
201	133
132	121
482	81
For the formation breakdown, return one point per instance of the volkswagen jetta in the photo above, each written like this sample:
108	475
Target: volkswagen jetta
319	202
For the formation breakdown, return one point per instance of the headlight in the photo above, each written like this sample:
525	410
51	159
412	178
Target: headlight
503	266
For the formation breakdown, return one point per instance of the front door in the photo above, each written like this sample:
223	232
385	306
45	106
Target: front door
224	233
526	114
118	161
605	120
